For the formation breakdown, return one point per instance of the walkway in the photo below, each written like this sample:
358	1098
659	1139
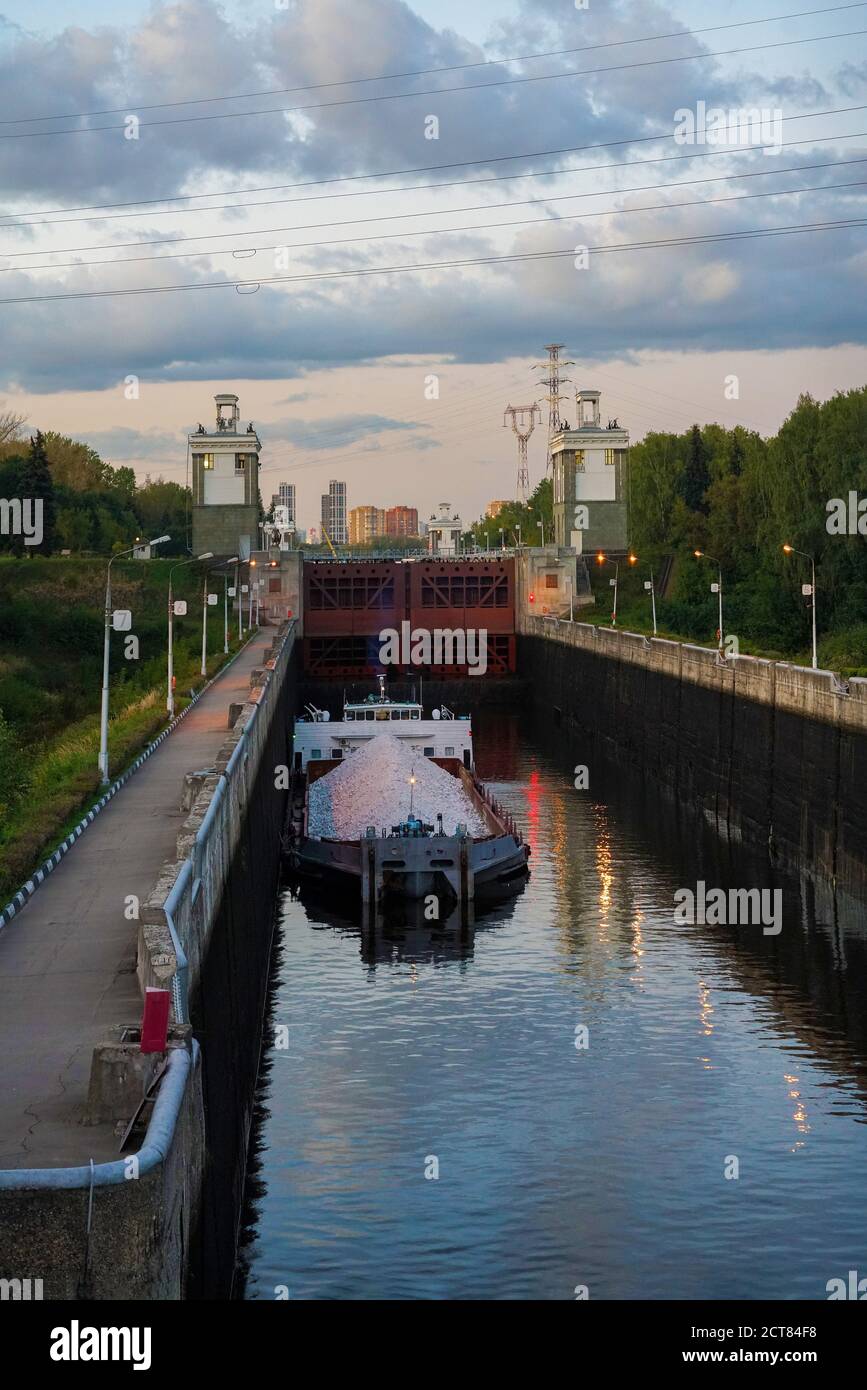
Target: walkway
68	961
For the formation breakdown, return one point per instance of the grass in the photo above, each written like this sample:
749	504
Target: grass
63	780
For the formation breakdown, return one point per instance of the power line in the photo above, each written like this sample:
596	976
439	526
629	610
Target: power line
443	231
425	72
468	183
382	174
438	91
244	286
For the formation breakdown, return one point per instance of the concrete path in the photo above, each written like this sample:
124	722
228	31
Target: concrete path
67	961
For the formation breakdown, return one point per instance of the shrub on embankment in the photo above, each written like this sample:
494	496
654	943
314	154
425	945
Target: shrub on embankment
51	640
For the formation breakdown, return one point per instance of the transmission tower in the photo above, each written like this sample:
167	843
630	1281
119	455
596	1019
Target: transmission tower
523	421
554	396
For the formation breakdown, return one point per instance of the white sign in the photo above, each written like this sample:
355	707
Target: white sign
212	600
612	583
180	607
121	620
806	590
714	588
244	588
647	584
231	591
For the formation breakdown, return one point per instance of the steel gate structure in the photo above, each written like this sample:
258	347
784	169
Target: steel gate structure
349	603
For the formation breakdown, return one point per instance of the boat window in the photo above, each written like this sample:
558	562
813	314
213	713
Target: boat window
382	714
316	752
337	752
429	752
450	752
368	714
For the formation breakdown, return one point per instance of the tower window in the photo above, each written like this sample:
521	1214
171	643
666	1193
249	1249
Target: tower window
240	464
207	460
609	457
579	460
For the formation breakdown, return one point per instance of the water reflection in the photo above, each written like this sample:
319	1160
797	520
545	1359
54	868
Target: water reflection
404	932
604	1165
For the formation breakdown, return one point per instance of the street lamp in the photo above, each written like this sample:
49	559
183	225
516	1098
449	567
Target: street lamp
502	539
602	559
648	584
250	585
571	611
790	550
225	565
103	720
702	555
170	693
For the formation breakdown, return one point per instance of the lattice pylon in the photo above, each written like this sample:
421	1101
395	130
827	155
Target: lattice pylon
554	396
523	419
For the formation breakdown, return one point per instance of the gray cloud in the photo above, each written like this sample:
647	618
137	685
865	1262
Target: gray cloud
779	293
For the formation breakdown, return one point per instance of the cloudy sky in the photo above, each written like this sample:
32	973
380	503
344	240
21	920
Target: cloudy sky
140	257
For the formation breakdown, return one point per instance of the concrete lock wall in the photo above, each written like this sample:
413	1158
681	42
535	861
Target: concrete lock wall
143	1227
768	753
215	906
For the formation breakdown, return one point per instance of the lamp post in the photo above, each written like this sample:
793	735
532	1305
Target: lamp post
571	610
602	559
103	720
648	584
702	555
225	565
240	599
790	550
502	539
250	585
170	691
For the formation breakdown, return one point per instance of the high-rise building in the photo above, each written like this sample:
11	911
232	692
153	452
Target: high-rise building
401	521
333	512
366	524
493	509
285	497
225	484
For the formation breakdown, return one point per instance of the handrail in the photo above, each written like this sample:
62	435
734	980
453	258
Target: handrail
156	1146
191	870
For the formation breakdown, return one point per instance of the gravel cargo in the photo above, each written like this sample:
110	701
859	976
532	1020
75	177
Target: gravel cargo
372	787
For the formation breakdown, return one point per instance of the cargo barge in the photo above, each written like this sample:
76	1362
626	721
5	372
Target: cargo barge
400	851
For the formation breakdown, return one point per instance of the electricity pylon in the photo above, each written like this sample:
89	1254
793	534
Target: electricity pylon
554	396
523	421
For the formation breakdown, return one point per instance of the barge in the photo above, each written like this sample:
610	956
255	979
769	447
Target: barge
400	850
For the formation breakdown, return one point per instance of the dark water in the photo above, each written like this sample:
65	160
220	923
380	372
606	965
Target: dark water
560	1167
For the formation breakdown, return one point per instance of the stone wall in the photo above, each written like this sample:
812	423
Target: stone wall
766	752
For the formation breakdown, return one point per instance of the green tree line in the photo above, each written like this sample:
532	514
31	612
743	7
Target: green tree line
740	497
88	505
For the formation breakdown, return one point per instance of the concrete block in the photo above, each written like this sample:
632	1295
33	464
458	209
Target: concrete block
193	782
120	1073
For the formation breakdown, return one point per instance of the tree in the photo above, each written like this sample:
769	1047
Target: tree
696	476
76	465
37	483
74	528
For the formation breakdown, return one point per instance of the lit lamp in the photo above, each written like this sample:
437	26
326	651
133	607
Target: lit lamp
808	589
718	587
